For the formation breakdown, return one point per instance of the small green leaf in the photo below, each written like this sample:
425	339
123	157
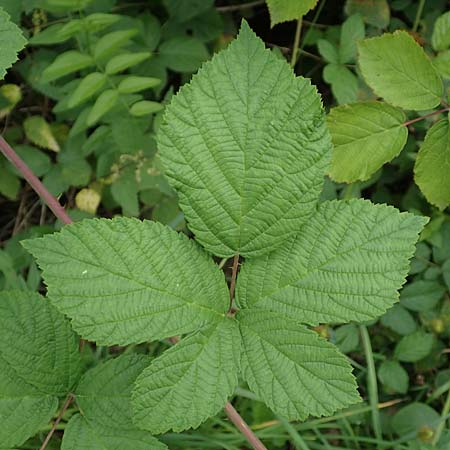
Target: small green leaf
227	146
374	12
183	54
414	347
125	190
110	42
442	64
12	41
104	103
399	320
344	84
38	131
66	63
441	32
127	281
285	10
98	21
414	417
432	168
55	34
39	362
352	31
132	84
346	264
393	377
145	107
122	62
396	67
9	183
38	161
328	50
365	135
181	11
88	86
347	338
291	368
421	295
189	382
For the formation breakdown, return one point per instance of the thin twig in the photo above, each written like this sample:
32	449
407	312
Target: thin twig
241	425
34	182
417	119
233	278
232	8
66	405
298	32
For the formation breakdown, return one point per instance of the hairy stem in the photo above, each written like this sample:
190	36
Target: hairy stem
233	279
58	419
298	32
240	424
34	182
418	119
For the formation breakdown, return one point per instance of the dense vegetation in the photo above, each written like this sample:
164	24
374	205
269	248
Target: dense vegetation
95	106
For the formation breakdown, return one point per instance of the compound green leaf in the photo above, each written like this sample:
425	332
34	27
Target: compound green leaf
245	145
39	362
374	12
189	382
414	418
11	42
125	281
345	264
291	368
285	10
440	38
432	168
132	84
421	295
82	434
399	320
65	64
365	135
442	64
328	50
183	54
396	67
88	86
122	62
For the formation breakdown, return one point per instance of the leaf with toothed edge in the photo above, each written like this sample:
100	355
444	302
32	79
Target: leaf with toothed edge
189	382
125	281
345	264
246	146
291	368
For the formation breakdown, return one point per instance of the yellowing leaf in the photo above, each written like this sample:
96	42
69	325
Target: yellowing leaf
38	131
88	200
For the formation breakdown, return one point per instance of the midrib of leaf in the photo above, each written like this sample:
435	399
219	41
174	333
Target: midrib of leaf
292	283
296	364
184	301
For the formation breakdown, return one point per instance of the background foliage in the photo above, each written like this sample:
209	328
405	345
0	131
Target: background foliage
81	107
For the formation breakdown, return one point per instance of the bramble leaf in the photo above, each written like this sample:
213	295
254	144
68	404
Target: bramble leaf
345	264
396	67
245	145
291	368
11	42
125	281
432	168
365	136
39	362
104	422
189	382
